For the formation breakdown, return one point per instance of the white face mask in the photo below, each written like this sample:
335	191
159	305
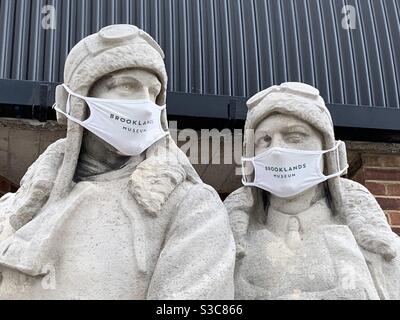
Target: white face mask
286	173
129	126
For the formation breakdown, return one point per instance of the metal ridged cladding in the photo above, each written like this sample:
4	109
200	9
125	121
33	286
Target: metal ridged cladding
225	47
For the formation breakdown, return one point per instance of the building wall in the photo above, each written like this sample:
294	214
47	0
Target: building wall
375	165
6	186
21	143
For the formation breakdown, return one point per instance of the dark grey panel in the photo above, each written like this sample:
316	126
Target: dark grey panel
225	47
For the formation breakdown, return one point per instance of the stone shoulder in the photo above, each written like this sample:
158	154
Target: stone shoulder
36	185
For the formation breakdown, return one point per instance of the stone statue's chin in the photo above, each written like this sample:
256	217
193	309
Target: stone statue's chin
297	196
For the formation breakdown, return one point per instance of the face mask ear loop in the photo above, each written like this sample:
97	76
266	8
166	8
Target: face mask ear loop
67	114
338	160
244	176
337	157
68	109
68	104
71	93
324	153
340	171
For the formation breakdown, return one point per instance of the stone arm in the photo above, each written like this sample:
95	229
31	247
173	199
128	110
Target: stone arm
367	221
198	256
385	274
18	209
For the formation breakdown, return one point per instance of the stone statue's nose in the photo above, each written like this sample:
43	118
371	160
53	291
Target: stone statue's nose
147	113
277	142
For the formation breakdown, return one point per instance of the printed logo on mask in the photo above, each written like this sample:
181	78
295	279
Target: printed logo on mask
129	126
134	124
288	172
285	172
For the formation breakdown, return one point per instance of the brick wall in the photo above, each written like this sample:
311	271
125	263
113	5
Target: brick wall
21	143
6	186
379	170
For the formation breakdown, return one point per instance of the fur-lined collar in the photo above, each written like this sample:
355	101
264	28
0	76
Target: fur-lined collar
154	180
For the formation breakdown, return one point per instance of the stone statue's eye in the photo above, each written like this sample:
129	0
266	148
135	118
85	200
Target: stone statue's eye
128	84
262	139
295	137
267	139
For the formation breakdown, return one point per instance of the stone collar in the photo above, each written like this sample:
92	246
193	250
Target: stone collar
305	222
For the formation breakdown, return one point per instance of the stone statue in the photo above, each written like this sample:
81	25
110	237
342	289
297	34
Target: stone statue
91	222
311	236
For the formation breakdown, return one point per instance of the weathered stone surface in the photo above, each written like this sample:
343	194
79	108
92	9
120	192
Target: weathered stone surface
91	223
332	241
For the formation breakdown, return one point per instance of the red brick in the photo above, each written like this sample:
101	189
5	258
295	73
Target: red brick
393	189
359	176
394	217
381	160
389	203
385	174
377	188
396	230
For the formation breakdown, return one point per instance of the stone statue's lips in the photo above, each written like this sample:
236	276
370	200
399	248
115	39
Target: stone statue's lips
132	122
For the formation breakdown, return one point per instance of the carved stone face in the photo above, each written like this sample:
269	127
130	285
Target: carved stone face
286	131
129	84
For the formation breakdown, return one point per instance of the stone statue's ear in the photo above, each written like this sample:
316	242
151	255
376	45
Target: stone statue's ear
61	103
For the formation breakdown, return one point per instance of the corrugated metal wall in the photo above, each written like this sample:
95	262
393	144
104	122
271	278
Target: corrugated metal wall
225	47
